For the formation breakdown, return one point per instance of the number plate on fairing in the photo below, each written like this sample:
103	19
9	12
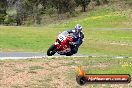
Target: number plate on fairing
61	37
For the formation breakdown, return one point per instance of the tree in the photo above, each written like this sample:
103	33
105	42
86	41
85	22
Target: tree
32	10
3	7
19	7
64	6
83	3
25	9
99	2
105	1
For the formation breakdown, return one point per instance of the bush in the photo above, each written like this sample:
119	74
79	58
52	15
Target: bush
50	11
129	2
9	20
2	18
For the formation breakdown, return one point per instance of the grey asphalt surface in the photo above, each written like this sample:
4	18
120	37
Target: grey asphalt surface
21	54
31	54
26	55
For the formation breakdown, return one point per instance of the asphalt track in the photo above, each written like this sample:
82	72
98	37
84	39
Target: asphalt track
29	55
26	55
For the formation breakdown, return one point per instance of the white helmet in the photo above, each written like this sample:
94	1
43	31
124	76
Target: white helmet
78	27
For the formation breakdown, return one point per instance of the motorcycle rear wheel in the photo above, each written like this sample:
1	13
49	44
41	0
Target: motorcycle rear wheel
69	54
51	51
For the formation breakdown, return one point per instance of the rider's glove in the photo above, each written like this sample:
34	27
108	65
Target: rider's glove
72	43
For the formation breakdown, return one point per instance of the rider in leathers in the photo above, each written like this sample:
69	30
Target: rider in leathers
78	36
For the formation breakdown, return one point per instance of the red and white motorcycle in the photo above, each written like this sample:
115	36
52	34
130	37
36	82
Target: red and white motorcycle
61	46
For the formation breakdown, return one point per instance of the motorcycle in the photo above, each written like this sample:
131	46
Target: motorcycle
61	46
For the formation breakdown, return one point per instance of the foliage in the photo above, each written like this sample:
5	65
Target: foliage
83	3
9	19
35	10
98	2
129	2
3	6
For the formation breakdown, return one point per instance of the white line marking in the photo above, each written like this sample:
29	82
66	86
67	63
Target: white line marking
4	58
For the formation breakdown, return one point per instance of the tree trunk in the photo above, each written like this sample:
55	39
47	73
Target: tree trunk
105	1
98	2
18	20
84	8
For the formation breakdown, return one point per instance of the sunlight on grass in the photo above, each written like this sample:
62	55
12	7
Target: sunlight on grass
106	17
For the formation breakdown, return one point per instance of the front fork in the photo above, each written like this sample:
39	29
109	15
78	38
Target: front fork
57	45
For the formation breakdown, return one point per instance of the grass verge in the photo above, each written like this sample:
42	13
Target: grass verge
97	41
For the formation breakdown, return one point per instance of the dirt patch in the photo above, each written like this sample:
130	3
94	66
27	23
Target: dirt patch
102	65
53	73
34	74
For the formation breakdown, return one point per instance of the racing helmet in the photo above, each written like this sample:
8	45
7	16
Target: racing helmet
78	27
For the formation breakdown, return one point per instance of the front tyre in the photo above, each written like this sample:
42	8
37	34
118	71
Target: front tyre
52	50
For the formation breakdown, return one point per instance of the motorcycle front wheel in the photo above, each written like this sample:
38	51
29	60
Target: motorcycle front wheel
52	50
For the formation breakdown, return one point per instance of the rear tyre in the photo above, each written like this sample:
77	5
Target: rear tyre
69	54
51	51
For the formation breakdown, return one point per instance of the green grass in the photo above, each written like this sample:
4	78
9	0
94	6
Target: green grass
102	21
103	65
16	86
35	67
110	66
107	42
110	42
103	17
26	38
